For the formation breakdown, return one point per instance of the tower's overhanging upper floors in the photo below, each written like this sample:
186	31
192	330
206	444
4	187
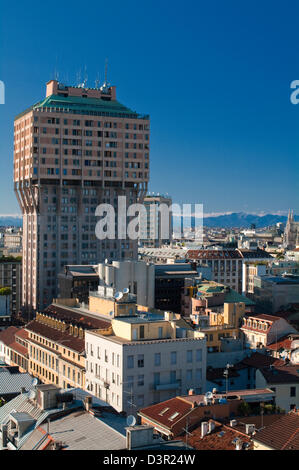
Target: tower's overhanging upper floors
77	148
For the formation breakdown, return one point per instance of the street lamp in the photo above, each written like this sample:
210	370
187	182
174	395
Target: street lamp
225	373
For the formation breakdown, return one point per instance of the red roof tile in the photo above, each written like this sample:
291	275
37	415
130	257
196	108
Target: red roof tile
259	360
213	254
279	372
221	438
287	374
217	373
283	343
8	336
22	333
76	317
161	412
57	336
283	434
17	347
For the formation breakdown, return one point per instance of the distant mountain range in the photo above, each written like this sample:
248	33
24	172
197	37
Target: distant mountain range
235	219
242	220
10	220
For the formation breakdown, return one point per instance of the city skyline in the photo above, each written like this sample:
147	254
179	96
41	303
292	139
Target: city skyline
225	127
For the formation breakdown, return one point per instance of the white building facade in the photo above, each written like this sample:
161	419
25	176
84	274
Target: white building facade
130	375
138	276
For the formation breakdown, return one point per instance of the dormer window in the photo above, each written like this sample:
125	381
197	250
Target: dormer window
163	411
175	415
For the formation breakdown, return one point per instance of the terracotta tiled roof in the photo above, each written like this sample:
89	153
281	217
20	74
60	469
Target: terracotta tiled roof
8	336
259	361
283	343
217	373
76	318
221	438
259	421
57	336
213	254
22	333
279	372
253	254
287	374
17	347
264	316
283	434
161	412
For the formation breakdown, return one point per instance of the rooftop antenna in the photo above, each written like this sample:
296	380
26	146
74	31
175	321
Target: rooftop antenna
85	77
186	429
105	86
97	82
56	74
78	77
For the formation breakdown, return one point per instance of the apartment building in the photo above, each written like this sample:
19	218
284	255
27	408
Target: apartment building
200	295
156	223
218	324
143	358
262	330
11	276
56	345
227	265
252	269
73	150
274	293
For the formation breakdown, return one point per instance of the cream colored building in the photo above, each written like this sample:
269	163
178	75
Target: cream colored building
284	381
144	358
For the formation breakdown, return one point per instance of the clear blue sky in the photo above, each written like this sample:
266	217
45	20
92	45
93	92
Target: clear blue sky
214	77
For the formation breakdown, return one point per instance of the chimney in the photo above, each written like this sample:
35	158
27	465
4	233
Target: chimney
88	403
139	436
233	423
191	392
204	428
4	439
211	426
238	444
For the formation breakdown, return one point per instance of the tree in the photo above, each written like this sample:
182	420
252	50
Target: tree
244	409
5	291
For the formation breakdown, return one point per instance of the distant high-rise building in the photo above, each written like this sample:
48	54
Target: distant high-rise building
156	228
291	233
73	150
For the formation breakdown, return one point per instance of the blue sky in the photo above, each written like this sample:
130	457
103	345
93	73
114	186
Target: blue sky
214	77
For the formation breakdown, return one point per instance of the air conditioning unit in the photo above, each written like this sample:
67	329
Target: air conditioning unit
250	428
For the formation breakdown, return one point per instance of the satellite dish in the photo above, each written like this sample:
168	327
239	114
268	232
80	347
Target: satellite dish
34	382
126	290
111	313
32	394
118	295
131	420
209	395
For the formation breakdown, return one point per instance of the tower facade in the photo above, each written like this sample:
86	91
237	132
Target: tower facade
76	149
291	233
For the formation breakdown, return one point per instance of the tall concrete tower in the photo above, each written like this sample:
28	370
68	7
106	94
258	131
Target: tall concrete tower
73	150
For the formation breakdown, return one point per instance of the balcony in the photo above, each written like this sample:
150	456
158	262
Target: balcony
169	386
